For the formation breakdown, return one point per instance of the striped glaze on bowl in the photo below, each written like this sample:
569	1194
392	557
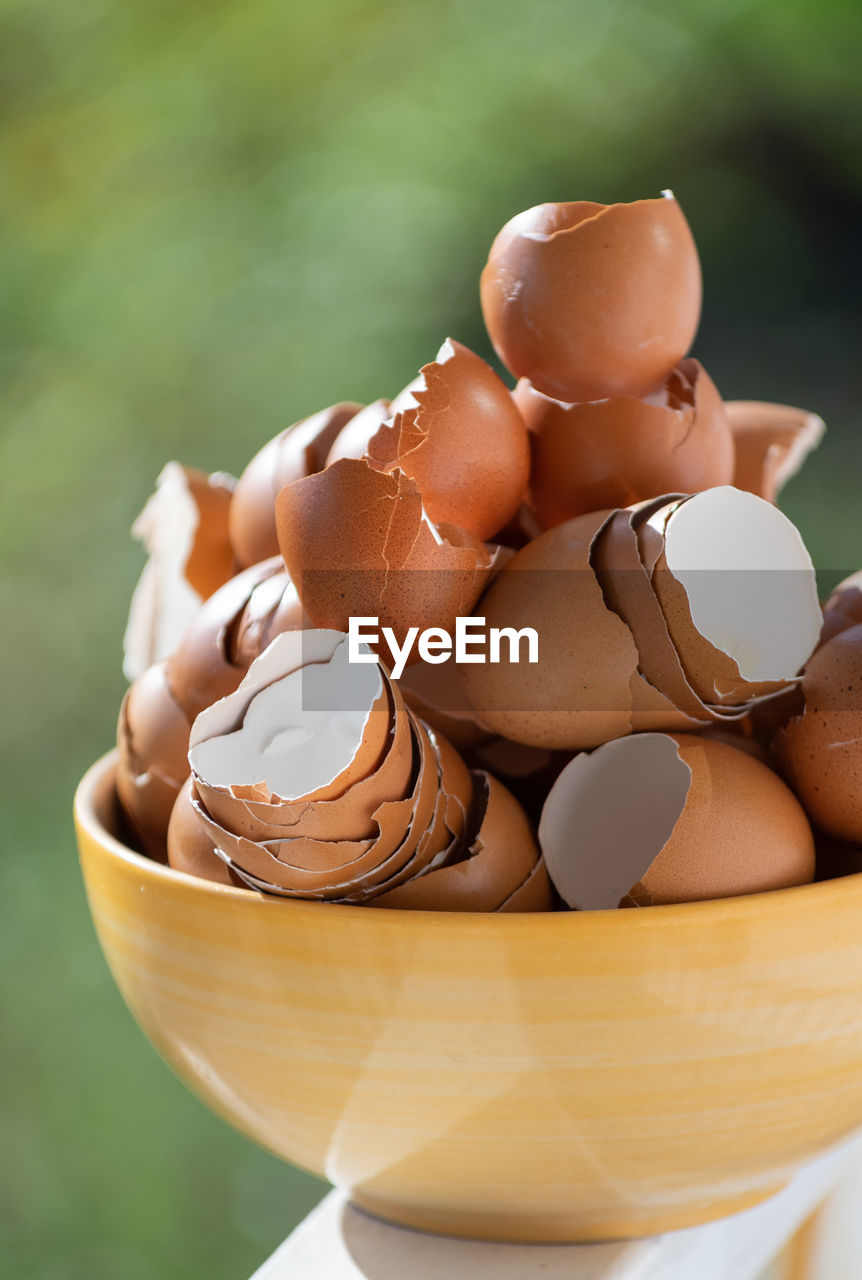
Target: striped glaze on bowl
557	1077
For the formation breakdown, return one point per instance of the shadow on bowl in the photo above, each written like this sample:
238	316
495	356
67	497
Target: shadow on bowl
553	1077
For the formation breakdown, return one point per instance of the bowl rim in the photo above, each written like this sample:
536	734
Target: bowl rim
710	911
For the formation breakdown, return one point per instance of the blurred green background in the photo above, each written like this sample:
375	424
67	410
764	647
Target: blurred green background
217	217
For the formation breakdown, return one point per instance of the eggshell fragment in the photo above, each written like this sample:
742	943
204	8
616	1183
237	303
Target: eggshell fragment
320	715
586	687
501	856
655	818
229	631
771	442
618	451
357	542
344	870
462	440
329	789
202	669
184	528
578	693
738	591
820	750
190	848
590	300
152	739
436	694
627	590
298	451
353	439
843	609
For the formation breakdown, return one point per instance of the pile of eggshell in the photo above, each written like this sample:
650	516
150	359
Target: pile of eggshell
676	738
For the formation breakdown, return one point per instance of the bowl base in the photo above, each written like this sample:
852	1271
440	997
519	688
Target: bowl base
553	1228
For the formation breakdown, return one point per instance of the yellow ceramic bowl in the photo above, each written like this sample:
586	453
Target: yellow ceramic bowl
538	1077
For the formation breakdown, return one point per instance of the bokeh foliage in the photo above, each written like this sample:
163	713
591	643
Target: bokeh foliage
216	217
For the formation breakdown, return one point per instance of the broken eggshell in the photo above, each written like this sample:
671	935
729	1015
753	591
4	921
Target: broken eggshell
189	846
586	687
820	749
501	859
843	609
306	775
231	630
353	439
298	451
621	450
184	528
458	434
152	741
655	819
771	442
358	543
738	591
590	300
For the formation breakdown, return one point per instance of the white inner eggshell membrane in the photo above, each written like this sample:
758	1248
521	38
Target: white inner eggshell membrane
768	623
163	603
609	815
300	731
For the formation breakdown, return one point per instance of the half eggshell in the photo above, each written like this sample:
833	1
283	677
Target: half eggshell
152	740
590	300
621	450
820	750
738	591
461	438
655	819
358	543
298	451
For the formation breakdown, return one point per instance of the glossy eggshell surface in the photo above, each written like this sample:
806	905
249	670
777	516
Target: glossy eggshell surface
461	438
821	749
619	451
590	300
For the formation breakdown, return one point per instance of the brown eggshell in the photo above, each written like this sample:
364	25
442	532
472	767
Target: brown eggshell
334	869
742	831
184	528
152	741
743	575
535	894
201	670
273	607
462	440
190	848
659	818
435	693
820	751
357	543
843	609
771	442
618	451
627	590
578	693
298	451
590	300
501	856
350	816
211	561
353	439
237	803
